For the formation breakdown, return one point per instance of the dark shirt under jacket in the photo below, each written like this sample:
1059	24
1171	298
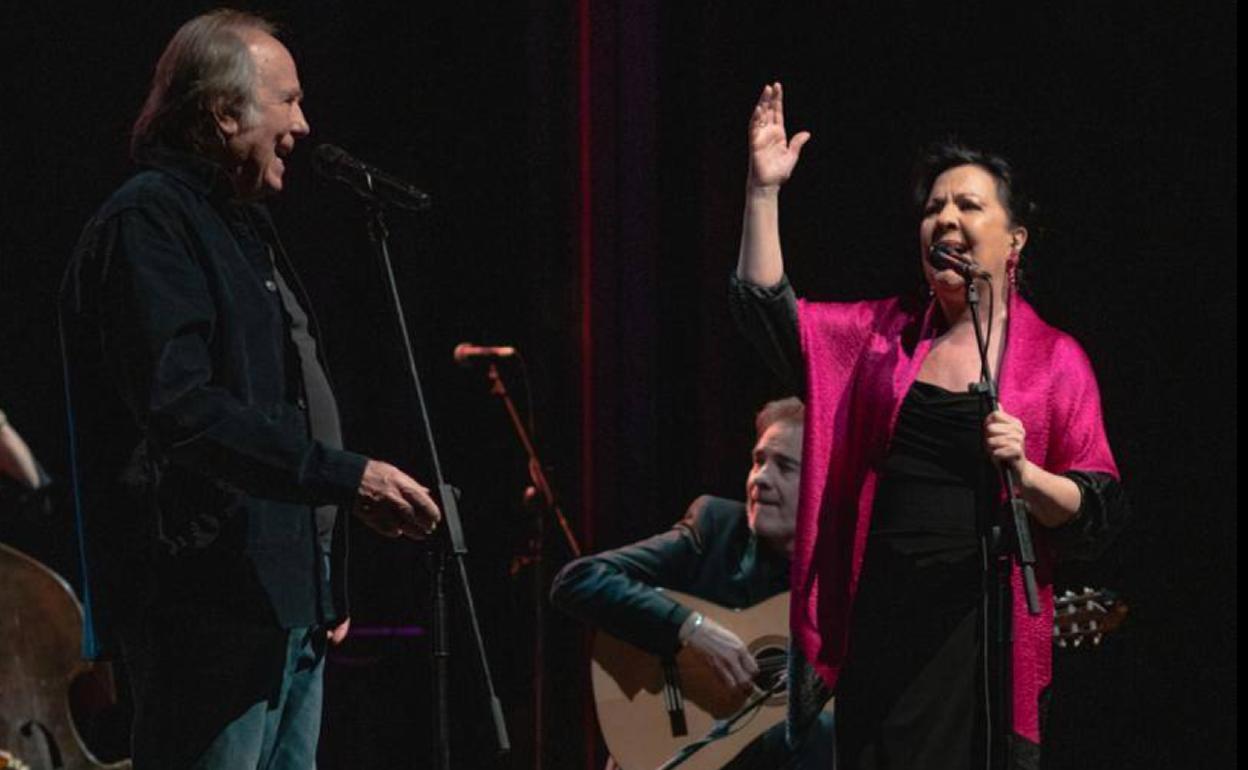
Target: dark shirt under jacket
204	496
711	554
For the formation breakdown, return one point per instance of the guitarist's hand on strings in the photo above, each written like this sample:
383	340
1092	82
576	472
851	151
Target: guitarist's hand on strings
723	651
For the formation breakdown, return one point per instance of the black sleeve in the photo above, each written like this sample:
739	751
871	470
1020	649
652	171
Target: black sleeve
767	316
614	590
157	317
1103	512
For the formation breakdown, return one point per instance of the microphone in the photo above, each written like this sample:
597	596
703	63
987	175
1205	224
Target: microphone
947	256
367	181
466	354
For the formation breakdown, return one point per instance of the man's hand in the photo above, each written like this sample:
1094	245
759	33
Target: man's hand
339	632
725	653
394	504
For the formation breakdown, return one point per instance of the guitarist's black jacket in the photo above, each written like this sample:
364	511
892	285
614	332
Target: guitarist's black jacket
710	553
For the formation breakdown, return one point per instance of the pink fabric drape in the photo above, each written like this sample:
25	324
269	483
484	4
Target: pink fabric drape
861	358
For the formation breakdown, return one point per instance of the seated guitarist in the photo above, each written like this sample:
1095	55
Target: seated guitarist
727	552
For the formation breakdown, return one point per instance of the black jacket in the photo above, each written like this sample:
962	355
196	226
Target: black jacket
711	554
195	466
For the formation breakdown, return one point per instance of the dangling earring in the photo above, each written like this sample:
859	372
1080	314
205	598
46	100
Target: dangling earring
1011	268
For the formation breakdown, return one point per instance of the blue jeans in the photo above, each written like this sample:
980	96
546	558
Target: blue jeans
225	695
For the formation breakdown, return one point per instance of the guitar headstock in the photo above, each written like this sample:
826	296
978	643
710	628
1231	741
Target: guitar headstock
1086	616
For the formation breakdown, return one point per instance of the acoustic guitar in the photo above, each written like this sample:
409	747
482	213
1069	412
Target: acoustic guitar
650	708
1086	616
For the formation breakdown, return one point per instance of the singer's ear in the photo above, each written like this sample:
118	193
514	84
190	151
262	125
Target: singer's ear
1018	238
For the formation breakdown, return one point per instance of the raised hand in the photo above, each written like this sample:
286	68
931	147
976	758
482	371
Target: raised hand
772	154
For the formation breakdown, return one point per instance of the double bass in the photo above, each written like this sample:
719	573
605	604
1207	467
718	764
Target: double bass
40	644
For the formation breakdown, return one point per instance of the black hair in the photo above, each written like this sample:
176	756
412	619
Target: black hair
943	155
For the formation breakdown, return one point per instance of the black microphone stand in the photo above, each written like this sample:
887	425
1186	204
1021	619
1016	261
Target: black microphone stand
536	476
723	727
997	556
543	498
452	541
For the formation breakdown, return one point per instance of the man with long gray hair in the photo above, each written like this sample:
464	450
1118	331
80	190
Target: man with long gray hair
209	466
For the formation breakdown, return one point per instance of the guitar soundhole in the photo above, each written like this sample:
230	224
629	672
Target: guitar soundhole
772	662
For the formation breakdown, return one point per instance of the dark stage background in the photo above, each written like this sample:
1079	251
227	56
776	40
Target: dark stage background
587	162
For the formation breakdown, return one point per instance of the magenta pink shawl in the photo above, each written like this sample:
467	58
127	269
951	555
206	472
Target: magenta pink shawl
861	358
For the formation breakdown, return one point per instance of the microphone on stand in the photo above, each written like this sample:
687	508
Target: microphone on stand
370	182
949	256
467	354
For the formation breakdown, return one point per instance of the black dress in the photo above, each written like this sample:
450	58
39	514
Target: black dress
906	697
